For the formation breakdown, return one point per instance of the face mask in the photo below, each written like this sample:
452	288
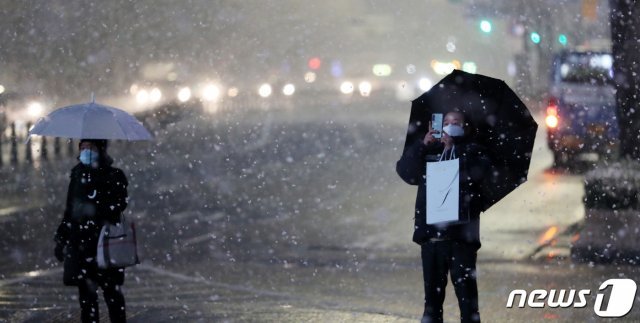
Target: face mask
88	156
453	130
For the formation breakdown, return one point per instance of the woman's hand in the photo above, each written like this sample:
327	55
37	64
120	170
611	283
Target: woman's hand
429	139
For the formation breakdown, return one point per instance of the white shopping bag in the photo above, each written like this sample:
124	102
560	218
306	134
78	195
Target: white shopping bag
117	245
443	191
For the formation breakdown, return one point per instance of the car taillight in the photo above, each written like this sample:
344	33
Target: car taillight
552	119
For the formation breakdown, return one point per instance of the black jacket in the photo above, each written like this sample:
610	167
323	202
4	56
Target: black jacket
474	165
95	196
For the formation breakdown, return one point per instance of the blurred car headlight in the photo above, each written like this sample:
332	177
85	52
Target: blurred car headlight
264	90
35	109
210	92
142	96
2	89
155	95
288	89
233	92
184	94
365	88
346	87
425	84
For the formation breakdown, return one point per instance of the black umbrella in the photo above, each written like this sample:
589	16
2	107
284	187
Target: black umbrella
500	122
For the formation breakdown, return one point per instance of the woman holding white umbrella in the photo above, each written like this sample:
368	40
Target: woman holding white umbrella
97	196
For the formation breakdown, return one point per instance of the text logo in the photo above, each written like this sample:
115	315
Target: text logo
619	304
623	292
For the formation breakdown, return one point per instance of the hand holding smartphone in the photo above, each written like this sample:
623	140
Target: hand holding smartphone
436	125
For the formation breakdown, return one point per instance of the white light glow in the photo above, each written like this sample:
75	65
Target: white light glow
210	92
346	87
155	95
470	67
288	89
265	90
184	94
365	88
142	96
2	89
425	84
35	109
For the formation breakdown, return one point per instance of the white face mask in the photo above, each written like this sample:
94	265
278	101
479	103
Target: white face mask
453	130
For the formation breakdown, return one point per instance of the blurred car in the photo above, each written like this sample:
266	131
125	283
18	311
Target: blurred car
581	109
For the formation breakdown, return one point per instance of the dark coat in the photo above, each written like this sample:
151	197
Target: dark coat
95	196
474	165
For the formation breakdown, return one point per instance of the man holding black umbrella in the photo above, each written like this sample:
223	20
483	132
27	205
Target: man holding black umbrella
448	247
485	162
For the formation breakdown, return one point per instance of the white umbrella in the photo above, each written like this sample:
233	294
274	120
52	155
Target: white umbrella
91	121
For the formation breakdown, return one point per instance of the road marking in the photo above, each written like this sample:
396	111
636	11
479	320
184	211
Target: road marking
9	210
198	239
5	214
30	276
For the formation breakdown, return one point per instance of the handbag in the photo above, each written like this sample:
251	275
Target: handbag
117	245
443	190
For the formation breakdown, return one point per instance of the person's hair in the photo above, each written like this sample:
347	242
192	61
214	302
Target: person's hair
469	128
101	144
464	118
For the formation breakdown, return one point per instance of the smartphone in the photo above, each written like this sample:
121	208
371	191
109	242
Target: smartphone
436	124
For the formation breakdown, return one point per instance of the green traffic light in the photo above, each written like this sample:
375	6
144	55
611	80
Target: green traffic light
485	26
562	39
535	37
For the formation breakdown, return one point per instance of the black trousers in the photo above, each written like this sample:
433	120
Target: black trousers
438	259
88	296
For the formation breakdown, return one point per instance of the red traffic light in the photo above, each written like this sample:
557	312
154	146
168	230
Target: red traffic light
314	63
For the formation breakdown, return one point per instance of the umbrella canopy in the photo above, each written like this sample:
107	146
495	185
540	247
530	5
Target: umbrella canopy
91	121
500	121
